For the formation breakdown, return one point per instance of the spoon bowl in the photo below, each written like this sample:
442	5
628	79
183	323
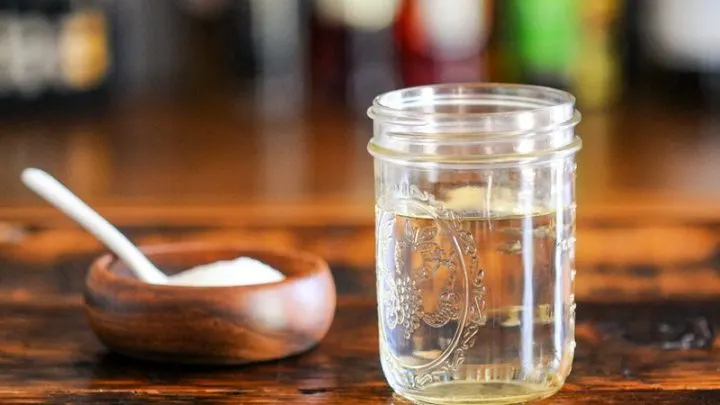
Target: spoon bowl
210	325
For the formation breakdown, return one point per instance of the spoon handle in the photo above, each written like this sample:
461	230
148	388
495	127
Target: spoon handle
63	199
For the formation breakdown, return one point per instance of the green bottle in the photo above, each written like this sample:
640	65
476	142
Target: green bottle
544	35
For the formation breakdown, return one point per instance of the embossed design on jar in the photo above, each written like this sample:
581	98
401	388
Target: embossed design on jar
406	306
432	259
428	275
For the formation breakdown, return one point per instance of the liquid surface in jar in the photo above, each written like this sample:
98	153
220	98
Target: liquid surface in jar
503	334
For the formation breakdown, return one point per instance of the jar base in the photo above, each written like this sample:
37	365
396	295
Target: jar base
477	392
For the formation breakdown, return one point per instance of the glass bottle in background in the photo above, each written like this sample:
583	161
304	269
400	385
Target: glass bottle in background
502	63
151	47
279	31
595	75
352	50
373	58
243	58
680	43
668	54
84	55
416	66
205	30
28	32
632	61
443	41
544	36
329	56
54	52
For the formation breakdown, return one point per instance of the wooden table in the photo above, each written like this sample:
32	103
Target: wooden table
648	256
634	350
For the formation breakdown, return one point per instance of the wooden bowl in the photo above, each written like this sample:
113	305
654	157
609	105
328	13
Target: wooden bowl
210	325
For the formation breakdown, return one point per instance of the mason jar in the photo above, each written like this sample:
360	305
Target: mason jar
475	240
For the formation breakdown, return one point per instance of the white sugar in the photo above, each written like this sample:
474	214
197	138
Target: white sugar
240	271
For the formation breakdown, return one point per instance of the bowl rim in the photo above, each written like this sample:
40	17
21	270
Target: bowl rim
102	264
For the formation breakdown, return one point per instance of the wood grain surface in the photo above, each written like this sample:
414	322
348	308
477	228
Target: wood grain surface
642	348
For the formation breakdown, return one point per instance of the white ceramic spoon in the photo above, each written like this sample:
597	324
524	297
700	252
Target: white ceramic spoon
223	273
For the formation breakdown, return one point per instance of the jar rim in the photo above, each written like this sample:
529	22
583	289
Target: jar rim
458	123
400	106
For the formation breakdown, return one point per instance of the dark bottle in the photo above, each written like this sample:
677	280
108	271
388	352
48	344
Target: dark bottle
670	52
330	57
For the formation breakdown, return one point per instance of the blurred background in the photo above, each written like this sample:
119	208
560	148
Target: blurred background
199	103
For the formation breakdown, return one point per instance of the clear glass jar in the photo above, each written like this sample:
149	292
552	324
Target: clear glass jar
475	229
